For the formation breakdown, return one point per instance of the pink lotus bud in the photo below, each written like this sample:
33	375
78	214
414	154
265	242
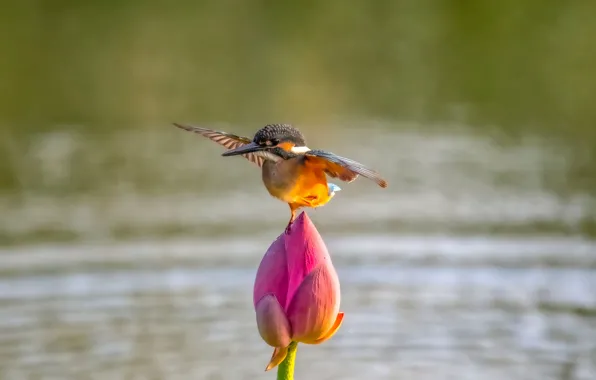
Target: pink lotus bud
296	292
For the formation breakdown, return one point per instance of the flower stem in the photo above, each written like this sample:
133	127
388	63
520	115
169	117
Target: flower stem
285	370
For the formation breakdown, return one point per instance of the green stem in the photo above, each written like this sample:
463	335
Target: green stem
285	370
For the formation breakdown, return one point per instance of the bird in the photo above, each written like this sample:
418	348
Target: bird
291	171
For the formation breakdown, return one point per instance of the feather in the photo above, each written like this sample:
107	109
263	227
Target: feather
343	168
226	140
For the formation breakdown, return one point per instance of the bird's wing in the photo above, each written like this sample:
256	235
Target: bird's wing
227	140
340	167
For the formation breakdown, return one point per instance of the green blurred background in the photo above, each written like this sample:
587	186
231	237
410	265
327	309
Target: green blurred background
106	65
129	246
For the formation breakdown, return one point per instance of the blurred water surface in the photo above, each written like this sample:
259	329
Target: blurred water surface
128	247
478	260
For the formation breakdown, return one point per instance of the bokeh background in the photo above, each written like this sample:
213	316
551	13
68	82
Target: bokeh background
128	248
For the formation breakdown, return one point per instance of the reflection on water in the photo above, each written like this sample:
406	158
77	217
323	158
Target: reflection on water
137	261
197	321
169	182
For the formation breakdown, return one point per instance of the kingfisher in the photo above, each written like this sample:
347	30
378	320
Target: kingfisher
291	172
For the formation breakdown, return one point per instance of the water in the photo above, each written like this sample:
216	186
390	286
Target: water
472	263
196	321
128	248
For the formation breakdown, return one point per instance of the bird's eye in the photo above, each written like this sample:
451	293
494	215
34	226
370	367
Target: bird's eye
274	142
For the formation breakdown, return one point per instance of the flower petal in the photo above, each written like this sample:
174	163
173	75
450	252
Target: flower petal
272	322
279	354
272	275
332	330
305	250
314	308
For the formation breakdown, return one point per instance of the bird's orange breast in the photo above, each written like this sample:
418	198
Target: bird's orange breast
311	188
293	182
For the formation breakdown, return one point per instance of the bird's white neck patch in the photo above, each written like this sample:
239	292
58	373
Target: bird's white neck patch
299	149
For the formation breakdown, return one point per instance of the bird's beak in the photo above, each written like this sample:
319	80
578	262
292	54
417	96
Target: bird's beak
248	148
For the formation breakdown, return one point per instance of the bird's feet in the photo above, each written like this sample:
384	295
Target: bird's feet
289	226
292	217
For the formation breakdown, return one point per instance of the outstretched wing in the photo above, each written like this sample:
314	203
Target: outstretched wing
343	168
227	140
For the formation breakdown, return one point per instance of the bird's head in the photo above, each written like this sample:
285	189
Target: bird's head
280	140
